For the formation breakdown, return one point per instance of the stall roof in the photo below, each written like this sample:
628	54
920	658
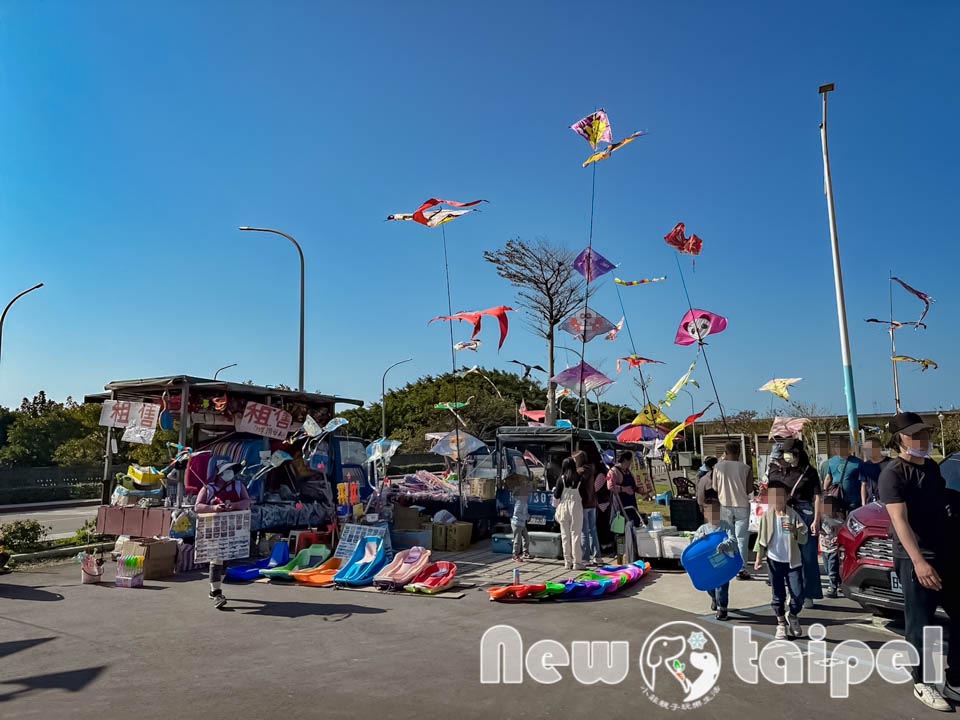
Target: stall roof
125	389
521	432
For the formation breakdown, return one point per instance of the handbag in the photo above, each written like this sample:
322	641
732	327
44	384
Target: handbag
836	486
618	521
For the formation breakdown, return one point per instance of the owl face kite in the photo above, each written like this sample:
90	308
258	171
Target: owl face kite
696	325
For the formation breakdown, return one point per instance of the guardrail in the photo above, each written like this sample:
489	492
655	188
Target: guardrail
49	484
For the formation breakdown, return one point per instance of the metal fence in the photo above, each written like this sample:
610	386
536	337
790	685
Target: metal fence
47	484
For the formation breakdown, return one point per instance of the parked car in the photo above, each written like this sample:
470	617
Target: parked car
866	552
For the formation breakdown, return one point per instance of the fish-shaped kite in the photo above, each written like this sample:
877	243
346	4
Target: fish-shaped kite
922	362
612	335
426	215
634	283
594	128
676	238
468	345
635	361
612	148
680	384
476	318
584	374
921	296
896	324
527	369
697	325
592	264
671	436
779	387
585	325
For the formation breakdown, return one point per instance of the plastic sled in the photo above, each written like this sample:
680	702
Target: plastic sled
251	571
435	578
320	576
307	558
368	559
707	567
404	567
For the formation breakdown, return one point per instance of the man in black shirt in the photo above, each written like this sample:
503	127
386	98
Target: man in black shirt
915	494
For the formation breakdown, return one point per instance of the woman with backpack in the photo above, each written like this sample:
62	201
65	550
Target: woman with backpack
570	514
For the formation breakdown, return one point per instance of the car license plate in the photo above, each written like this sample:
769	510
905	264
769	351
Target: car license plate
537	520
895	583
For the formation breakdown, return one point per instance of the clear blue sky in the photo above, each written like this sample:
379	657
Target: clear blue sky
136	141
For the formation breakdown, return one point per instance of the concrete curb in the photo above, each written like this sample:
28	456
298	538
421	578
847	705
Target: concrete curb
60	552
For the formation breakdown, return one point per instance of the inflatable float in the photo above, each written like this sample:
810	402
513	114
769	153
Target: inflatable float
586	585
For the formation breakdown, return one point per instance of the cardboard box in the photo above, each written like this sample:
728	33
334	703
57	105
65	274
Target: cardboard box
409	518
159	556
459	535
133	521
439	536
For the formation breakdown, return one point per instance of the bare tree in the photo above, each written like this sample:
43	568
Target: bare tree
548	289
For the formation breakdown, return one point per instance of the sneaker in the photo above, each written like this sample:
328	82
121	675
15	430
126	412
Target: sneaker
713	605
722	614
781	631
580	566
743	575
931	697
808	603
526	556
951	692
793	627
218	598
567	566
832	593
517	558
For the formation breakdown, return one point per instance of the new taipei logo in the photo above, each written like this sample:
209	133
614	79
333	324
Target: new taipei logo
680	665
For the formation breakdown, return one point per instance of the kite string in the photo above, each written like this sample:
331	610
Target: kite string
586	297
633	345
703	349
453	360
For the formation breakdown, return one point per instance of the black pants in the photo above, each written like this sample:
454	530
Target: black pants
920	606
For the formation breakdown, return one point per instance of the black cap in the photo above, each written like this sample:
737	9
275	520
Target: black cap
907	423
791	445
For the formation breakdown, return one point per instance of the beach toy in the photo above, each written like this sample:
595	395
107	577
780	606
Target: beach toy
707	567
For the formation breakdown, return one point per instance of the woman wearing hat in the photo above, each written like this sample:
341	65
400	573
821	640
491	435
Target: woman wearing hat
223	494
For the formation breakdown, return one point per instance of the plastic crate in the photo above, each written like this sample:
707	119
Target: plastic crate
648	544
546	545
501	543
672	546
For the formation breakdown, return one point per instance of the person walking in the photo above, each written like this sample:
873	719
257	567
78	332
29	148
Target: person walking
917	501
570	514
588	499
795	473
719	597
225	493
874	462
705	481
845	471
733	481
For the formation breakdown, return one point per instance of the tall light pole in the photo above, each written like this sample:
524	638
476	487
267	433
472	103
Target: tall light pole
943	439
225	367
383	396
838	278
302	285
10	304
693	425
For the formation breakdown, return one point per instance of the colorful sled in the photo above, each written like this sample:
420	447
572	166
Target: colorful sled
307	558
250	572
584	586
435	578
368	559
320	576
404	567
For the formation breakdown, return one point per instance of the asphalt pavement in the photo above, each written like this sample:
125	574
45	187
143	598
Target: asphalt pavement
64	522
284	651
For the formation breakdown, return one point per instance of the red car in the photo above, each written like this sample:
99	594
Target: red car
866	552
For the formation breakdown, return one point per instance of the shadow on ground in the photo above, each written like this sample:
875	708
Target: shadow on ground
329	613
25	592
72	681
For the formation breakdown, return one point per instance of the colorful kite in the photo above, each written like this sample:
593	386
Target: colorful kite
652	416
535	415
635	361
921	296
432	218
468	345
634	283
500	313
923	363
896	324
784	427
584	374
527	369
680	384
672	435
453	407
594	128
586	324
688	245
592	264
779	387
457	444
612	148
697	325
612	335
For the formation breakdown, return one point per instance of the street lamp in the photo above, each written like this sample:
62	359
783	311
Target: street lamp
9	304
302	284
383	395
225	367
943	439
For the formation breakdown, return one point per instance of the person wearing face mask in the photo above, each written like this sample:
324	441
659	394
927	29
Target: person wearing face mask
794	472
874	462
916	497
223	494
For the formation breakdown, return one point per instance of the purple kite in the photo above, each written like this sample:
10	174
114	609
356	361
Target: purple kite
594	128
584	374
586	324
921	296
592	264
696	325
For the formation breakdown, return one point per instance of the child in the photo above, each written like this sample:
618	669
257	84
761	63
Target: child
830	522
521	513
711	509
782	532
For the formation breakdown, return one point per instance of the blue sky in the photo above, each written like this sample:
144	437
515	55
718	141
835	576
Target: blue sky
136	140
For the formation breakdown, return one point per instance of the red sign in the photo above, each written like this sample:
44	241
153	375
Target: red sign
264	420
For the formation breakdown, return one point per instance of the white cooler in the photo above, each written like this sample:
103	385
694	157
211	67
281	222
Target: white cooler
672	546
648	544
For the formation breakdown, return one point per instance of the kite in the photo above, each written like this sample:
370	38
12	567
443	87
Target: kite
476	370
688	245
468	345
457	444
672	435
592	264
780	387
582	374
612	335
594	128
476	317
698	324
684	380
921	296
896	324
527	369
784	427
586	324
535	415
433	218
613	147
634	283
453	407
531	458
635	361
923	363
652	416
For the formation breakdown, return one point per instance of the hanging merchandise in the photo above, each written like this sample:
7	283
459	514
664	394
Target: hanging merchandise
583	374
652	416
594	128
923	363
921	296
779	387
476	318
680	384
457	445
671	436
585	325
432	216
612	335
634	283
612	148
592	264
527	369
635	361
696	325
897	325
676	238
468	345
535	415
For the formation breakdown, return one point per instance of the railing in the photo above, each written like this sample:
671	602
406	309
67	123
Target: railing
48	484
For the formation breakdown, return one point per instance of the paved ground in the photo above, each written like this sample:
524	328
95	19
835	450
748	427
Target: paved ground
64	522
77	651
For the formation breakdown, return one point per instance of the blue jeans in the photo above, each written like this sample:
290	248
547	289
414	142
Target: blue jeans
739	519
721	596
784	578
812	588
591	541
831	561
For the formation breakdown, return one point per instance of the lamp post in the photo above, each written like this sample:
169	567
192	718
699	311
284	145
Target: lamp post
302	285
225	367
693	425
383	396
943	439
10	304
